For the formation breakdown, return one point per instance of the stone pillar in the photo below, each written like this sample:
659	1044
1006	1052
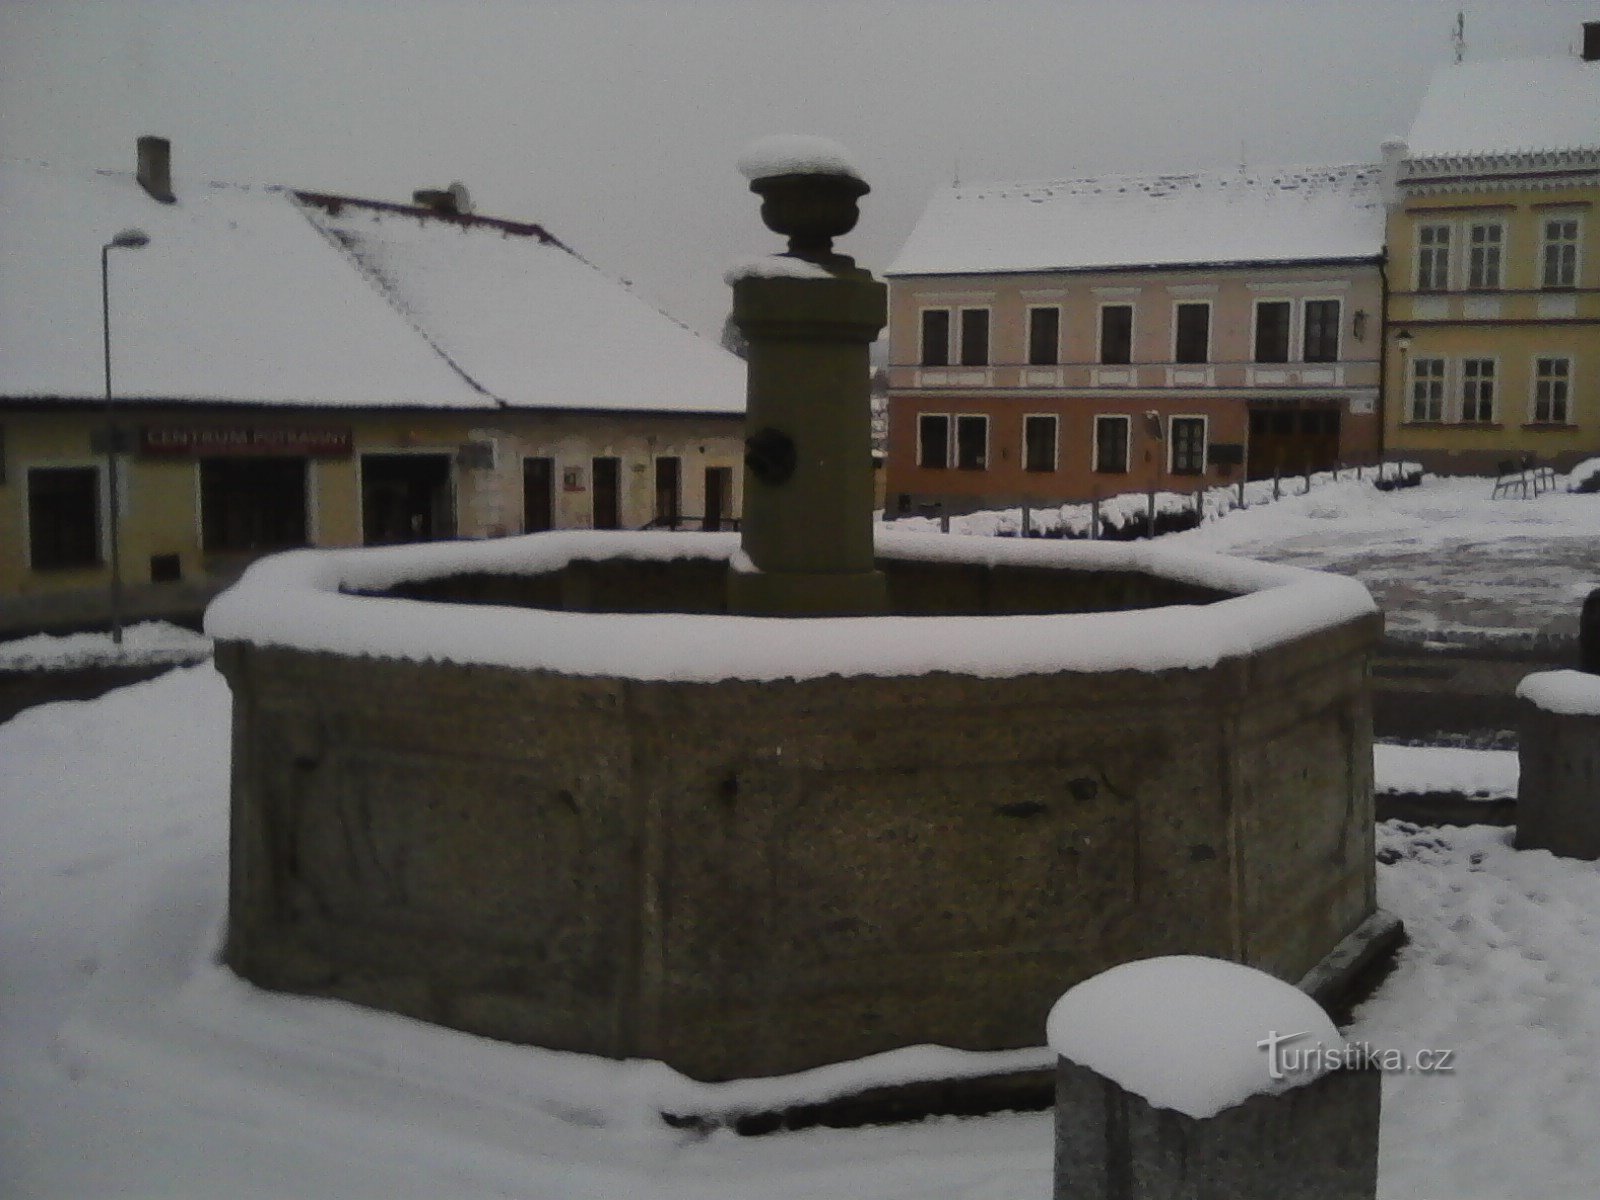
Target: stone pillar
808	317
1315	1142
1558	755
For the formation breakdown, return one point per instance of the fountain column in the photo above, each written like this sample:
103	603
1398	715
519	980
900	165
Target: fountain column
808	317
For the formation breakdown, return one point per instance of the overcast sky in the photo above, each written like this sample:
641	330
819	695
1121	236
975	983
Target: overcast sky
616	123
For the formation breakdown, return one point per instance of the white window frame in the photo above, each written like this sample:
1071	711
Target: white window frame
1546	244
1055	442
1493	380
1027	334
958	360
1297	320
1172	441
949	434
1443	381
949	335
1127	444
1100	331
955	440
1472	248
1533	391
1293	347
1448	255
1185	302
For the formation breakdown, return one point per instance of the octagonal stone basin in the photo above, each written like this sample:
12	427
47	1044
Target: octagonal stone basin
542	789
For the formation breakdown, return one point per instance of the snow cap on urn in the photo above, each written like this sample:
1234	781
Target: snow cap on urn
809	190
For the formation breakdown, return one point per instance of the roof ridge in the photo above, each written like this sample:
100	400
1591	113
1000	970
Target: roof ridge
375	280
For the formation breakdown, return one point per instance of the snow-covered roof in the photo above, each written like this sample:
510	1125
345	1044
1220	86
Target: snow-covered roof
526	319
1512	105
258	295
1279	215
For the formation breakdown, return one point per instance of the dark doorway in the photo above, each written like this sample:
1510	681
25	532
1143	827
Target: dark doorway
538	494
669	492
406	498
1290	441
719	495
607	493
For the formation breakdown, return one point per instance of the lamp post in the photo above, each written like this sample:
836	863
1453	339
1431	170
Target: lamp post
128	239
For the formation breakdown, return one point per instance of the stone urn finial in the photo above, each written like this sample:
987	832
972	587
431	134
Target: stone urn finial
809	191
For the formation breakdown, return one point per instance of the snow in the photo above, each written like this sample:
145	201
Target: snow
529	322
1568	693
236	299
1476	774
795	154
1508	105
1289	214
1585	477
303	599
248	294
148	643
1186	1032
775	266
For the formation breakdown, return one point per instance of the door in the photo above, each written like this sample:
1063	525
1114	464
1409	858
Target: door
668	492
719	494
607	497
538	494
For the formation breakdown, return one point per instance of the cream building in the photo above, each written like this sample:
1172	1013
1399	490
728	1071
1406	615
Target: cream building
1494	248
294	369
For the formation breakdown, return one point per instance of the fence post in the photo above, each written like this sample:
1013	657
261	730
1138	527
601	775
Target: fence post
1307	492
1094	519
1241	492
1200	506
1150	515
944	518
1277	492
1027	519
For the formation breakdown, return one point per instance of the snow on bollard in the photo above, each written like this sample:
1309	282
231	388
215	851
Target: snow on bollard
1186	1076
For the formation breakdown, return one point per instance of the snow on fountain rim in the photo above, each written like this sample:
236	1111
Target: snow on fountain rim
302	600
1565	693
1186	1032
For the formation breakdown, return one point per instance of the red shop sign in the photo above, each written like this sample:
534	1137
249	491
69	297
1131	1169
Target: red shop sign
219	441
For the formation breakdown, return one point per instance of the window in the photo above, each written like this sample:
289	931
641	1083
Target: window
1192	336
406	498
1272	330
252	504
974	337
936	337
1559	253
1111	445
1188	439
1321	343
933	441
1044	337
972	443
1039	443
1551	377
1433	258
1116	333
1477	390
1484	242
63	517
1427	389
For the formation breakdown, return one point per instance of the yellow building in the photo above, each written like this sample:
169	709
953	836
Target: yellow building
293	369
1493	337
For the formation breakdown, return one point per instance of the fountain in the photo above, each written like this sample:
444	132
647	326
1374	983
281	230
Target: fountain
750	804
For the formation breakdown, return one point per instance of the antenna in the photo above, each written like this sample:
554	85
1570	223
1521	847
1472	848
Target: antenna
1459	36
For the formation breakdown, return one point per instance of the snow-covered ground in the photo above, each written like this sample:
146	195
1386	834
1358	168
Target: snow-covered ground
149	643
132	1065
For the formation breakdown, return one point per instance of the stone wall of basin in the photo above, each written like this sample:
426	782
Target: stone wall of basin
745	878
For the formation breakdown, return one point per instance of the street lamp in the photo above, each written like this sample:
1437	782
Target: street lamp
128	239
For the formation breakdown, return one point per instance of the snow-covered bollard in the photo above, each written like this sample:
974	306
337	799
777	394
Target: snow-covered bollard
1558	754
1193	1077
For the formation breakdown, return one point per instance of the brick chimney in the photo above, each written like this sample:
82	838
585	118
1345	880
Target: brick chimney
155	167
1591	41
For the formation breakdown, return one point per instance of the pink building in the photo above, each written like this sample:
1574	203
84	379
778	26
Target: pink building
1056	341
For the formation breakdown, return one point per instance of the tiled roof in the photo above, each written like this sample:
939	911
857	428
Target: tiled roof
1119	221
1509	106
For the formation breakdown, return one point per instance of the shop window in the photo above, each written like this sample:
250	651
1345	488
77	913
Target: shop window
63	517
249	505
406	498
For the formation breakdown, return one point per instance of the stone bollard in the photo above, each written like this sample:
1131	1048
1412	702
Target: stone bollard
1165	1087
1558	754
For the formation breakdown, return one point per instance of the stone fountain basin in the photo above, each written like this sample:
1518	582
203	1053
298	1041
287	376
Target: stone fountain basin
542	789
